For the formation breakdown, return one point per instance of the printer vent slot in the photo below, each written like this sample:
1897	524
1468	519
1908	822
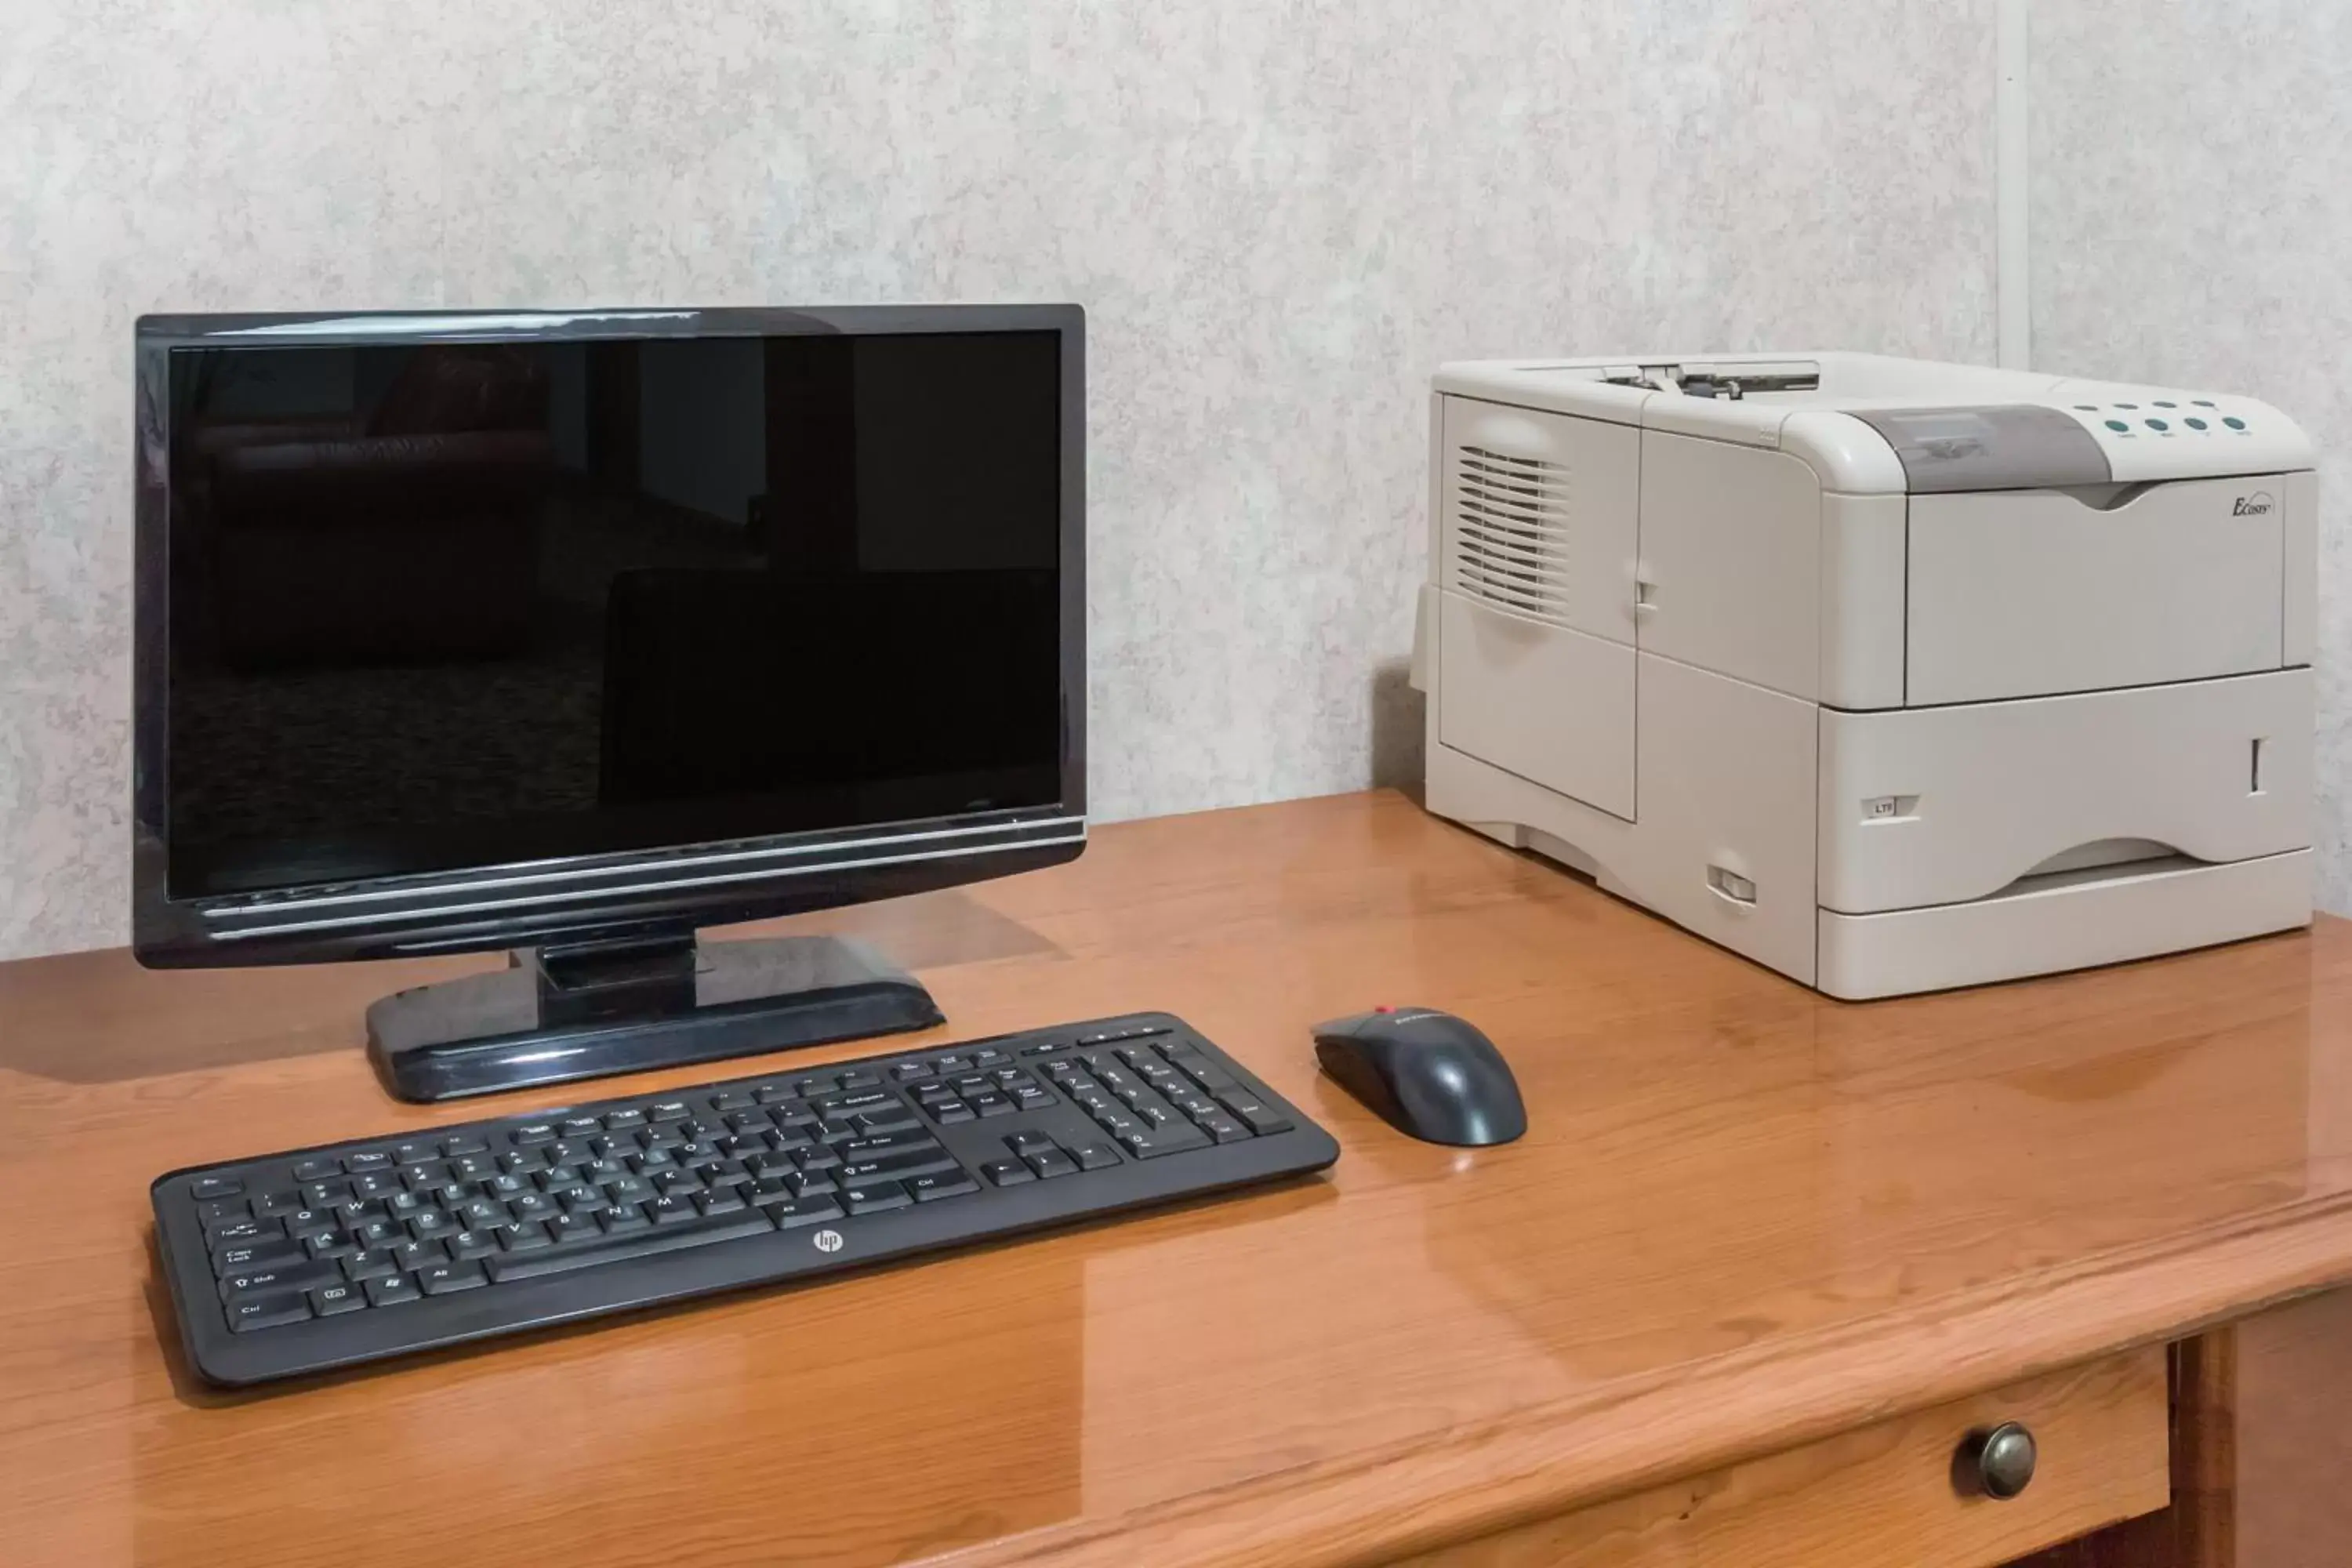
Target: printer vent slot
1510	532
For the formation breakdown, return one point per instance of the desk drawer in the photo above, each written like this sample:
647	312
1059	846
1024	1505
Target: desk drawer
1884	1494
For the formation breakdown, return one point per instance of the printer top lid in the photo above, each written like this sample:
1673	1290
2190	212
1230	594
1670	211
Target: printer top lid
1871	423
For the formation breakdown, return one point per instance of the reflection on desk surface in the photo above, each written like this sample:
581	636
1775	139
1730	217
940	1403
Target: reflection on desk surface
1718	1163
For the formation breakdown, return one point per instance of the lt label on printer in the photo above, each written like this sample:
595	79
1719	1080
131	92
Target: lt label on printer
1890	808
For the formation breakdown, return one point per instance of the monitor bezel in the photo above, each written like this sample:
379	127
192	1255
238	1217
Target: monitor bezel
603	896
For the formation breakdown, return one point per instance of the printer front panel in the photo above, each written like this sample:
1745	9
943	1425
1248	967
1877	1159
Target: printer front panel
2041	592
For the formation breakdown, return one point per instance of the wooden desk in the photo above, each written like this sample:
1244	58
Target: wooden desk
1759	1260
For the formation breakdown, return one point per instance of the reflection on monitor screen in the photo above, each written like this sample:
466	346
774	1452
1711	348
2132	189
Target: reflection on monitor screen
457	605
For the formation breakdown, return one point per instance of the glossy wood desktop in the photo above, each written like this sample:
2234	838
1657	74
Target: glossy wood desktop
1760	1259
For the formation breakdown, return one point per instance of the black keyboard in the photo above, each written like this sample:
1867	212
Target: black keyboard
352	1252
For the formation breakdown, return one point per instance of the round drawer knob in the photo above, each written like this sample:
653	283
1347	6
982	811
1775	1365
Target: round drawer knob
1996	1461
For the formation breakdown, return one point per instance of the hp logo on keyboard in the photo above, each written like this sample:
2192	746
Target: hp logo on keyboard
827	1241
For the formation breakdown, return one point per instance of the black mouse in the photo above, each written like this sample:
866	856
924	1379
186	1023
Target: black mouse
1427	1073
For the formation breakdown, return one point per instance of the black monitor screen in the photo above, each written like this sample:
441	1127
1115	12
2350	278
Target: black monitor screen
446	605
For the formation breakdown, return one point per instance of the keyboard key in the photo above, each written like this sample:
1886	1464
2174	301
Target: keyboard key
532	1133
528	1236
284	1277
1007	1173
1174	1140
669	1110
579	1127
476	1214
1027	1139
571	1229
466	1245
246	1256
445	1278
1255	1113
623	1121
861	1079
583	1198
367	1160
1051	1163
373	1264
430	1223
653	1244
874	1197
1206	1073
991	1103
333	1300
334	1244
908	1072
802	1211
267	1311
988	1056
946	1185
274	1205
230	1232
949	1115
1095	1156
910	1162
815	1085
720	1199
885	1143
464	1143
392	1290
1222	1127
325	1194
623	1218
672	1210
205	1189
414	1254
832	1105
317	1169
774	1094
377	1232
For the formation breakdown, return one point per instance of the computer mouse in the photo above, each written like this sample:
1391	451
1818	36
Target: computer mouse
1428	1074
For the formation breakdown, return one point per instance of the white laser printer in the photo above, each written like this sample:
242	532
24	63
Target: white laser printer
1891	675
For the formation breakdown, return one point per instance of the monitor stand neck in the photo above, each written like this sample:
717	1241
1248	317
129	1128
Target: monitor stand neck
593	1008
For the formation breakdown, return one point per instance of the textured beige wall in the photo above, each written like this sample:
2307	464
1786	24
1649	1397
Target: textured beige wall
2191	218
1279	216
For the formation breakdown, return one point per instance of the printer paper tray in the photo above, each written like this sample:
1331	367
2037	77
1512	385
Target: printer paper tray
2066	925
1943	805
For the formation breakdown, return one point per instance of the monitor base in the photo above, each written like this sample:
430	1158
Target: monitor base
558	1014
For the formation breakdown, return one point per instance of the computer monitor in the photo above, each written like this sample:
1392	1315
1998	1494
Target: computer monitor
573	633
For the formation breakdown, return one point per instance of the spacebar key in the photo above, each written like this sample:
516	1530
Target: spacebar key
621	1249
